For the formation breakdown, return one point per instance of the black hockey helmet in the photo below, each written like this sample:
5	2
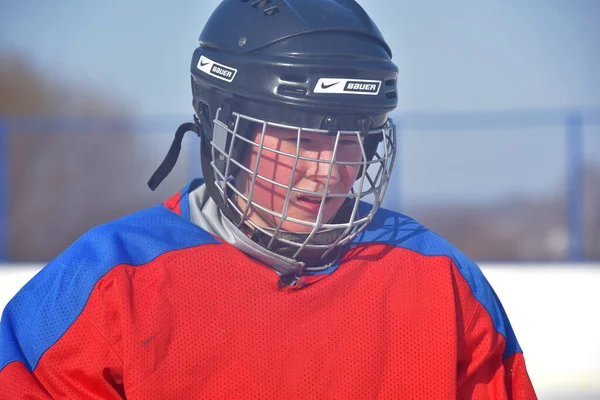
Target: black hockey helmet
318	65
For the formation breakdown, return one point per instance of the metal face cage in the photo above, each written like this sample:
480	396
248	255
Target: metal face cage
322	236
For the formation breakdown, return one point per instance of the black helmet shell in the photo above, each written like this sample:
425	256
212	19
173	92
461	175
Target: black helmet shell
319	64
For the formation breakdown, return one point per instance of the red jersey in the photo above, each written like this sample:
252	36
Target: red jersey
151	306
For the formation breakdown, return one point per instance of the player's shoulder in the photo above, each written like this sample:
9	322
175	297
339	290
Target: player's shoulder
401	231
60	291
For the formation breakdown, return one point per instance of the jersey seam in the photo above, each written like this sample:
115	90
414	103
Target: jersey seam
11	362
478	306
469	320
30	372
472	317
103	337
113	269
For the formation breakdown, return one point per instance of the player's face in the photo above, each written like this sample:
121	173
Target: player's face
309	175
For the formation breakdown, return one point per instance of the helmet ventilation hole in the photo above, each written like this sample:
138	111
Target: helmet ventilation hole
294	78
271	11
294	91
260	3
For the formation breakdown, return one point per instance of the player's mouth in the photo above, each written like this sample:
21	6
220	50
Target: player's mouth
311	203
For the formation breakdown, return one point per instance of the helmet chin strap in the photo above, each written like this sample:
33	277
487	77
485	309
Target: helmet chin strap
200	126
310	257
165	168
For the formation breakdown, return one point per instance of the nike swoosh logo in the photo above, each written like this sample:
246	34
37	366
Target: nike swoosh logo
203	64
324	86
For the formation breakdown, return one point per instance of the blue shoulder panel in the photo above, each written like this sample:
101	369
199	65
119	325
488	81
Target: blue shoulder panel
399	230
46	307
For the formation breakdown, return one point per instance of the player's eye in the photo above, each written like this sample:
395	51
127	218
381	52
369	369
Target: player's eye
352	141
295	140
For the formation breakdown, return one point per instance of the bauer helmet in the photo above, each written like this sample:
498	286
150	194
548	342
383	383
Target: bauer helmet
308	67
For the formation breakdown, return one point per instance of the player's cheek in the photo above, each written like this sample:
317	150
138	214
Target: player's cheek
334	207
266	166
348	174
277	168
283	175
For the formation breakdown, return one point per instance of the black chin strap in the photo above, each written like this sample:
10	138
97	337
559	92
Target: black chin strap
165	168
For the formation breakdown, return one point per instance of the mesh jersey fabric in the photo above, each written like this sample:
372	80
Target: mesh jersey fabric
153	307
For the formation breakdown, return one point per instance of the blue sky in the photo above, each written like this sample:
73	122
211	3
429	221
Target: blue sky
453	56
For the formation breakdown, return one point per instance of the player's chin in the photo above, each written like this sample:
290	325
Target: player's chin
294	227
308	217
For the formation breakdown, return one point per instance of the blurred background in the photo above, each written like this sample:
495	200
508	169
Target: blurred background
499	131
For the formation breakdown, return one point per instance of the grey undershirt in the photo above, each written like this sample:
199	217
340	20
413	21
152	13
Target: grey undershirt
205	213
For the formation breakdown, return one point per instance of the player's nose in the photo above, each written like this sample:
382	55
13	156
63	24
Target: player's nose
323	169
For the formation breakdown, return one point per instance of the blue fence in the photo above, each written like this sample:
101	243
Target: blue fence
4	212
573	123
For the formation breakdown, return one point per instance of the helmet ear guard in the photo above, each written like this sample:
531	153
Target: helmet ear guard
223	137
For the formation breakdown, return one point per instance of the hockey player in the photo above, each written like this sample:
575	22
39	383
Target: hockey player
278	275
